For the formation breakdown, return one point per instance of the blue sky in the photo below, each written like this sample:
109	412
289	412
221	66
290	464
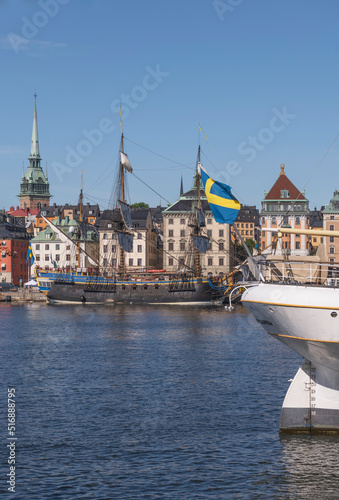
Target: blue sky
261	78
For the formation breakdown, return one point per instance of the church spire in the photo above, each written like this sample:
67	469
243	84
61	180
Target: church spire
181	187
35	140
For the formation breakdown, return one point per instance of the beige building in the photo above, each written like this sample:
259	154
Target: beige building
179	222
144	252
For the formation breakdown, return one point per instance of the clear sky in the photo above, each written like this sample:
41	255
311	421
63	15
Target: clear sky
260	76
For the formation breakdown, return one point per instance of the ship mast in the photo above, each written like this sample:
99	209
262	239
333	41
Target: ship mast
197	254
122	255
80	218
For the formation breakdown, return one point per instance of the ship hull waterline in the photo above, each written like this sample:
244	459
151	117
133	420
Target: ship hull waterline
306	319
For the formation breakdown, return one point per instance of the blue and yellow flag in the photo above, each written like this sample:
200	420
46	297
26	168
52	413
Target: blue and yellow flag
30	256
224	205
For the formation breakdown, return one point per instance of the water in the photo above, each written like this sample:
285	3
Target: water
152	402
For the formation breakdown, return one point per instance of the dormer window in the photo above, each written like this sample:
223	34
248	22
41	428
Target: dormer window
284	193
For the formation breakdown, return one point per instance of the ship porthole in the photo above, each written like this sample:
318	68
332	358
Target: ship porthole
334	314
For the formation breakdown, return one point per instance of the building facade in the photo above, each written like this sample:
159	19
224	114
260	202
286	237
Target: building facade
285	205
178	225
145	252
331	223
34	187
248	224
13	251
62	242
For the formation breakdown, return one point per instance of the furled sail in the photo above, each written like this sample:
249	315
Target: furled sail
126	214
125	241
201	217
125	162
201	243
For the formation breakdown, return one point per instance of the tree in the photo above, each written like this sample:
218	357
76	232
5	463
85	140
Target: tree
240	251
141	204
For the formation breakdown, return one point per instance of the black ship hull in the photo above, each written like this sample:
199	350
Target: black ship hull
195	291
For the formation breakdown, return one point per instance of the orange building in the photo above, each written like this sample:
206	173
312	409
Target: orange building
284	205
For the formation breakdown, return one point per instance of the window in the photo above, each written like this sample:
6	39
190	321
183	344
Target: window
139	262
331	227
57	257
170	246
114	236
331	239
332	217
57	247
114	248
170	232
297	245
221	233
284	193
3	243
68	257
331	261
105	236
210	261
246	225
332	250
209	233
68	247
105	248
3	254
297	220
37	257
3	267
139	236
182	246
104	261
182	221
139	248
114	262
37	246
182	232
274	220
130	262
47	247
170	221
48	235
221	261
210	246
209	221
170	262
221	247
47	258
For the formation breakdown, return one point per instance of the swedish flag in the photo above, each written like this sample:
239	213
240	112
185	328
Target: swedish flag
224	205
30	256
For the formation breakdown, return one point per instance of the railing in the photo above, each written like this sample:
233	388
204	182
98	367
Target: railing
301	271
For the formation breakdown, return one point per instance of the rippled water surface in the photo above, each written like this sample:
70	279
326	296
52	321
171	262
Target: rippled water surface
145	402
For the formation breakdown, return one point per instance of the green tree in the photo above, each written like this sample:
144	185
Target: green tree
141	204
240	251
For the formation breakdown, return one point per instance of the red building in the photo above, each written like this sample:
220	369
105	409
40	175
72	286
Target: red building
14	242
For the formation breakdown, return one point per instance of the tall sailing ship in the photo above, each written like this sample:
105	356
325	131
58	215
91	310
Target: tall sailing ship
115	283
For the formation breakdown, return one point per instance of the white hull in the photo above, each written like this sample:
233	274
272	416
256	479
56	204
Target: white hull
305	318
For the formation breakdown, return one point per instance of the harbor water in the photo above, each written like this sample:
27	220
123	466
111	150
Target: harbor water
152	402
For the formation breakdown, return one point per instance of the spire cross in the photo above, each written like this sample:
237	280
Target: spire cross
35	95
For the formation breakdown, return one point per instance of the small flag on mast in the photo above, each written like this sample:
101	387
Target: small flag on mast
30	256
224	205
